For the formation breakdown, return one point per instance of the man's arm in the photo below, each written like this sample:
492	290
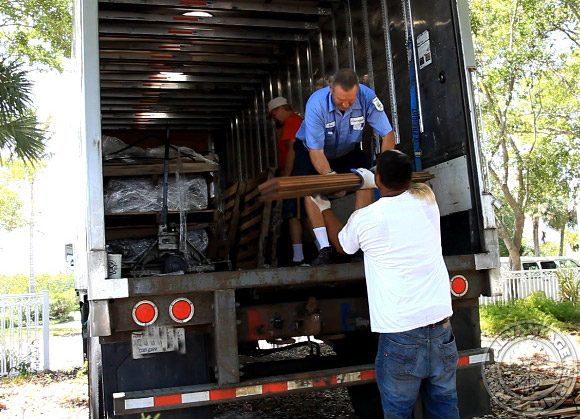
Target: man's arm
388	142
333	227
290	158
319	161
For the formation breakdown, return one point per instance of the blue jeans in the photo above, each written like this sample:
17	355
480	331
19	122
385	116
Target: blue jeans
419	361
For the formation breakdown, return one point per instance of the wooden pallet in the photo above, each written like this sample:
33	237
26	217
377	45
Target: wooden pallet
231	214
253	225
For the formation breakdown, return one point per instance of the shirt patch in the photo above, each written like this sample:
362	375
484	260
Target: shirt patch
357	121
331	124
378	104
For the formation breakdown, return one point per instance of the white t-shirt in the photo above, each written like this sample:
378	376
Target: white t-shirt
407	280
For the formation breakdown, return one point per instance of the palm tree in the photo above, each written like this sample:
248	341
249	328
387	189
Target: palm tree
19	132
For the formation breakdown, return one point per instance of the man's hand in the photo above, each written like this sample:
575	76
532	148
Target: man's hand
321	202
367	177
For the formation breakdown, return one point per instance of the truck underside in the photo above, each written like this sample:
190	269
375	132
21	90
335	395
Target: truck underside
169	74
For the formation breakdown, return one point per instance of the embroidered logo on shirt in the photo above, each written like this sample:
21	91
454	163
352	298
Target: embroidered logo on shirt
378	104
357	123
331	124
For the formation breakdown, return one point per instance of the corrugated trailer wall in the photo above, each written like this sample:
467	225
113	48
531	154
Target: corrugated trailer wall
355	36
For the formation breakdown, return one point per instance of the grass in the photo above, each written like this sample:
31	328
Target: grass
65	331
562	315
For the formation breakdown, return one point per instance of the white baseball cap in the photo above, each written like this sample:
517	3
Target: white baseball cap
275	103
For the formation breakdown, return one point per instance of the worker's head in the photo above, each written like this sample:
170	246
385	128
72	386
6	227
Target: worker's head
279	109
394	171
344	89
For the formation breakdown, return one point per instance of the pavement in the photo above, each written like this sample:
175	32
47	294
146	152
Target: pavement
66	352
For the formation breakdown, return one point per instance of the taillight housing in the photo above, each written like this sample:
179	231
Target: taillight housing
181	310
459	285
145	313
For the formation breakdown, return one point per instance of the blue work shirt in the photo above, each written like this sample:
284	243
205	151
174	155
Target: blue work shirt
326	127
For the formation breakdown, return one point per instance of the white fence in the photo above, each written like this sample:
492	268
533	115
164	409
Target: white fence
24	332
519	284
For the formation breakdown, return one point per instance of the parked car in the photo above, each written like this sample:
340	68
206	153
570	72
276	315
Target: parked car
541	263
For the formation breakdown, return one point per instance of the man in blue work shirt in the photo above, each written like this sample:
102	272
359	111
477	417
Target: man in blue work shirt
331	136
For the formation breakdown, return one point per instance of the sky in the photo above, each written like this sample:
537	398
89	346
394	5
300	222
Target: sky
55	205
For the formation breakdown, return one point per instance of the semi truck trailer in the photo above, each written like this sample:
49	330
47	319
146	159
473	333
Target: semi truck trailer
174	141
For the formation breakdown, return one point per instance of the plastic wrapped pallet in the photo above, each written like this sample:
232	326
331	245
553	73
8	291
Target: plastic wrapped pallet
114	148
138	194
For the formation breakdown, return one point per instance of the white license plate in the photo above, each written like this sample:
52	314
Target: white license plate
155	339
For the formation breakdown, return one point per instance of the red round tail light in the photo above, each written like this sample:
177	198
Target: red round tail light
145	313
459	286
181	310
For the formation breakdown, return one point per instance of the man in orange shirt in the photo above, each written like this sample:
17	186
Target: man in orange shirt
279	109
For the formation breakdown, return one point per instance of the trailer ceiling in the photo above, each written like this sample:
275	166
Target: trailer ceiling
160	65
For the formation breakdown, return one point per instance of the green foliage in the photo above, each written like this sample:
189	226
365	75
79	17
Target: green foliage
37	30
562	315
157	416
549	249
62	303
16	364
62	295
14	176
83	371
18	284
572	241
10	207
569	281
20	135
526	249
528	59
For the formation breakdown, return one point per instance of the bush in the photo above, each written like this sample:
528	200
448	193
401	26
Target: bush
18	284
562	315
569	281
62	303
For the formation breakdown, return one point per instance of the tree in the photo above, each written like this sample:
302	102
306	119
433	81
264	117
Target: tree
16	173
37	31
19	132
528	56
10	207
560	217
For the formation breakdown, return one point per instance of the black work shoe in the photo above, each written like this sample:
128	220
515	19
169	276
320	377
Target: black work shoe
324	257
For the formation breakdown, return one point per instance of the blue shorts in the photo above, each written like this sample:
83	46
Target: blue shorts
303	165
290	208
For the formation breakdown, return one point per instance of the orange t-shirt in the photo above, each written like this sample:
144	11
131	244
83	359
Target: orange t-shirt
289	129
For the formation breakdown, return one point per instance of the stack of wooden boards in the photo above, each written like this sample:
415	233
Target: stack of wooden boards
538	399
297	186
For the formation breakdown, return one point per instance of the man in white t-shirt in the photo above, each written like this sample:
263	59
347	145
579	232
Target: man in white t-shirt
408	288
